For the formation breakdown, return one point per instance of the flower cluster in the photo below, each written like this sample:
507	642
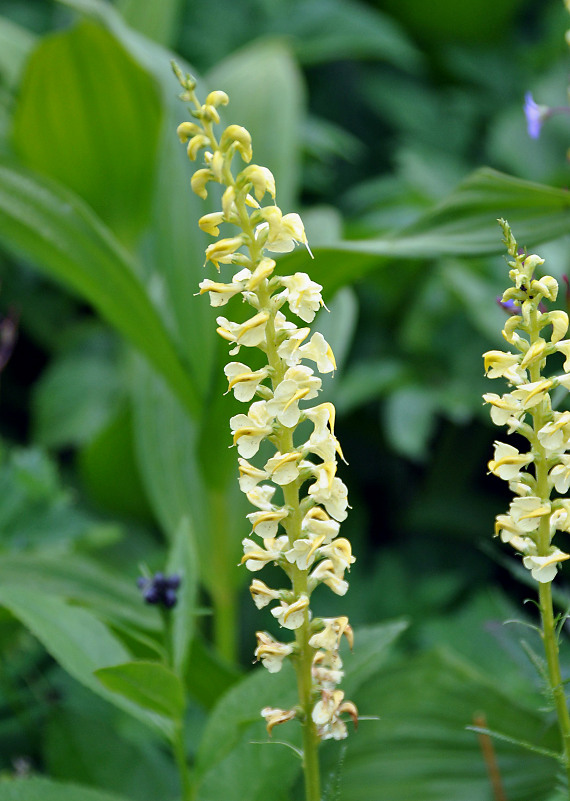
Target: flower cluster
299	500
534	516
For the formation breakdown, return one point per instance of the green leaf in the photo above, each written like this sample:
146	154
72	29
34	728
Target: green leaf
16	44
77	393
99	116
463	224
420	747
340	29
78	641
266	97
229	756
166	442
35	789
158	21
150	685
183	560
78	579
409	420
61	235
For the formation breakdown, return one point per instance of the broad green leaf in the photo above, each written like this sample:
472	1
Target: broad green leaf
36	789
78	392
463	224
149	685
78	579
340	29
16	43
228	747
420	746
99	116
266	97
166	447
61	235
409	420
208	676
78	641
183	561
158	21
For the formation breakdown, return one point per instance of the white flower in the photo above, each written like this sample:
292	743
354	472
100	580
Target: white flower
333	496
298	383
249	475
291	616
283	467
508	461
560	475
553	436
317	523
288	350
303	295
329	637
251	333
256	557
266	524
319	351
262	594
340	554
322	441
271	652
261	497
273	716
324	572
280	233
303	552
544	568
499	364
249	429
527	512
243	380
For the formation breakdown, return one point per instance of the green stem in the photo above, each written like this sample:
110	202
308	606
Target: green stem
554	675
182	764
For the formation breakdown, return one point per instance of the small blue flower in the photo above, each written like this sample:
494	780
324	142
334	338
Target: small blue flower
535	115
509	306
159	589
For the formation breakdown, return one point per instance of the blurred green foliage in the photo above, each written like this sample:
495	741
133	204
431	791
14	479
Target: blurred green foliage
397	129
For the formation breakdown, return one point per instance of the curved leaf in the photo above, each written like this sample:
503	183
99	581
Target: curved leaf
63	237
89	116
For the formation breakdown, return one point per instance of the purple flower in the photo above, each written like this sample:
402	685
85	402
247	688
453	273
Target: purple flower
159	589
535	115
509	306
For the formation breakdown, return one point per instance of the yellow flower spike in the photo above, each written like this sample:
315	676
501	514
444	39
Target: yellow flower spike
260	178
209	222
217	98
199	180
187	129
240	137
195	145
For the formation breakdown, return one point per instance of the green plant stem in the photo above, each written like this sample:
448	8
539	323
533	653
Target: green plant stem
182	764
550	642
